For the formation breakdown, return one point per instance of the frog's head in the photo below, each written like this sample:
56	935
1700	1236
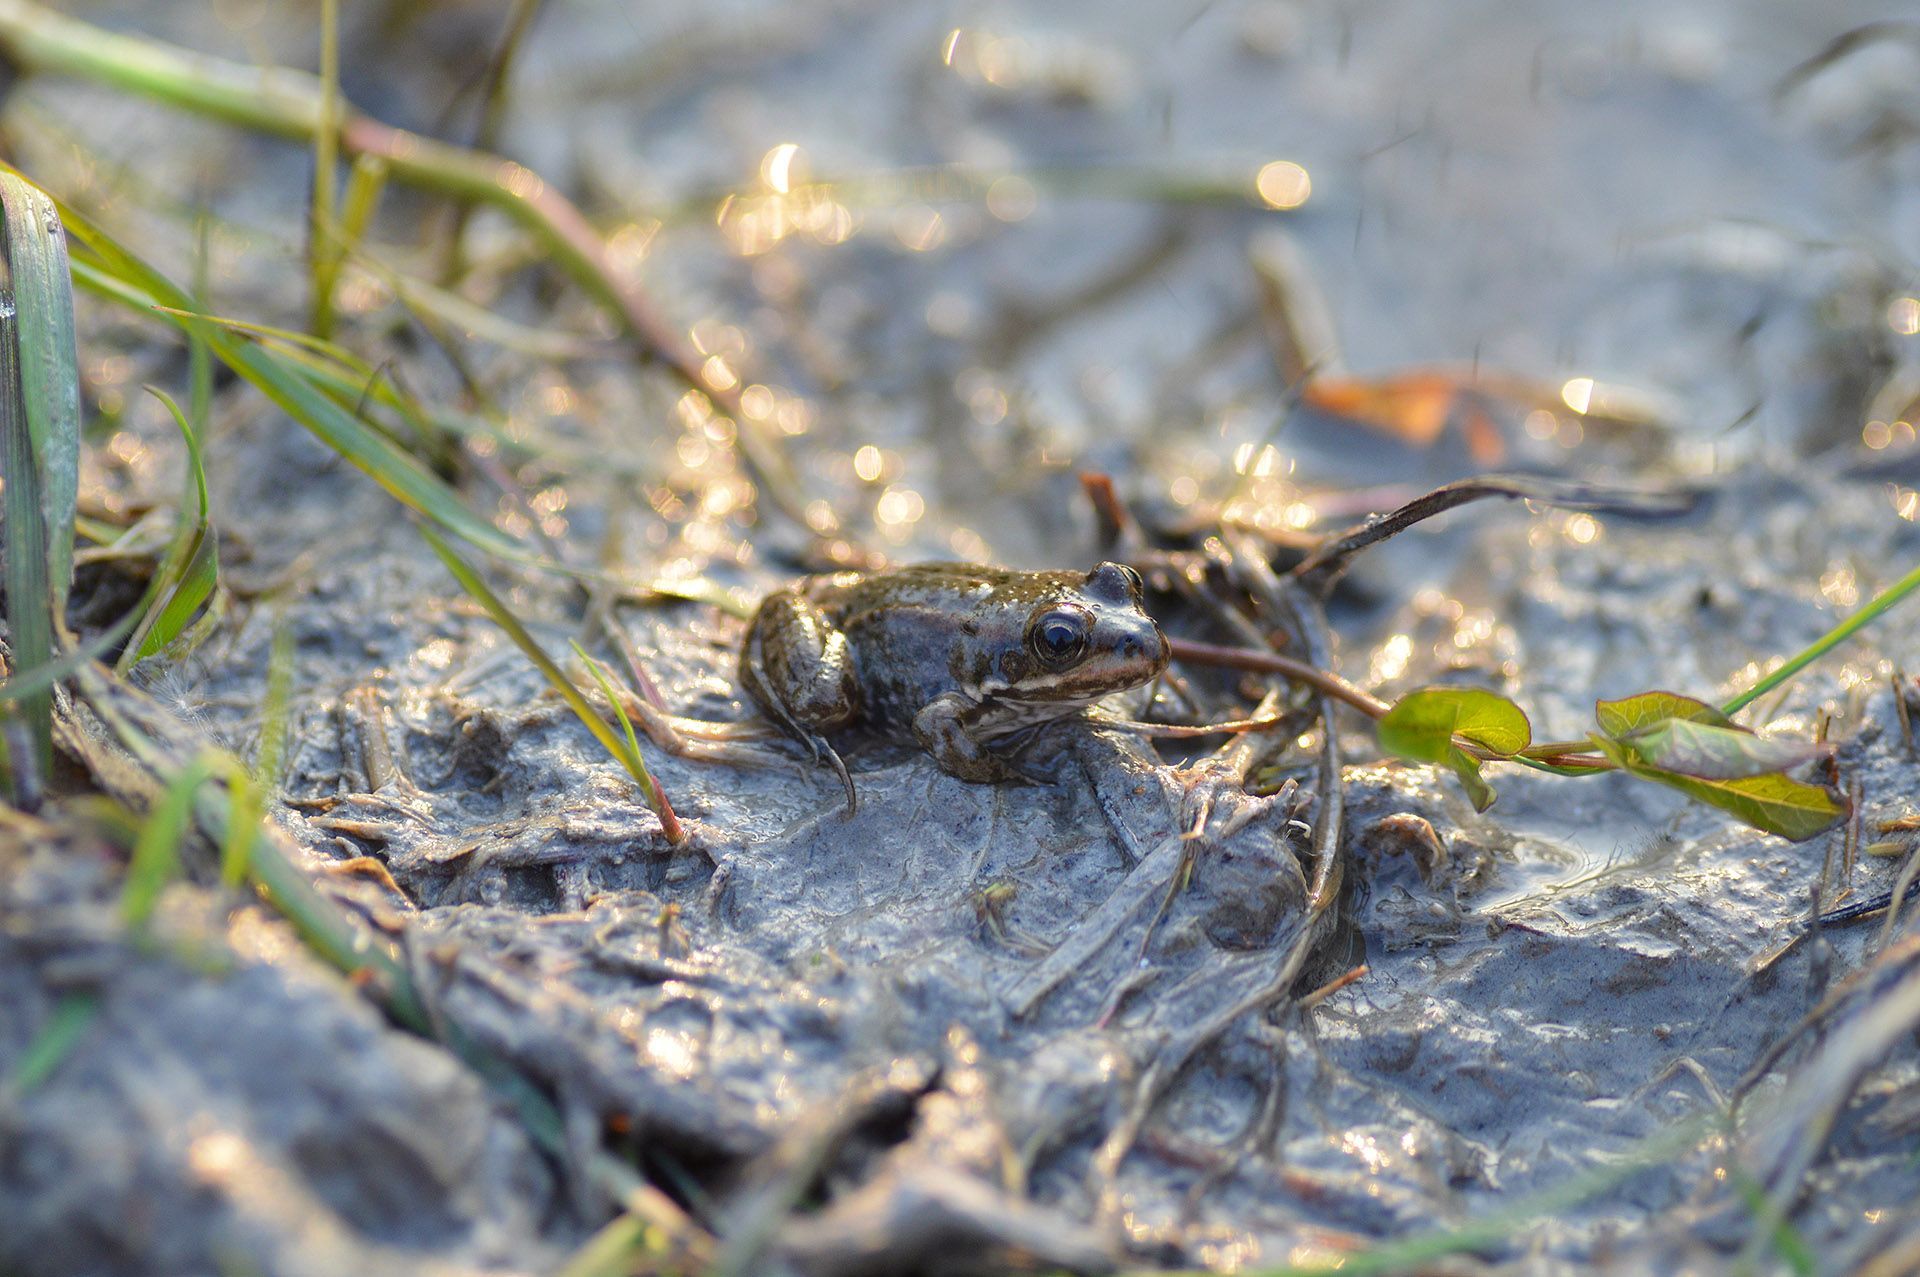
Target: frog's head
1085	637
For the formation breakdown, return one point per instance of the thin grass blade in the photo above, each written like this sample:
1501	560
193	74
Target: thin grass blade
189	571
656	798
36	681
503	616
53	1043
156	854
251	790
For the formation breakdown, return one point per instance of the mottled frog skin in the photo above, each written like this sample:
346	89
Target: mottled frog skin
962	657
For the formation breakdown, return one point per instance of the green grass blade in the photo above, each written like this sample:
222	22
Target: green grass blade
49	364
29	594
343	376
53	1043
1833	638
490	602
36	681
292	337
1769	1224
250	790
198	578
323	247
189	571
156	854
636	764
199	358
1499	1229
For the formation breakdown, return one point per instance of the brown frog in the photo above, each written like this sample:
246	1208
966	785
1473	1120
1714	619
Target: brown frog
968	659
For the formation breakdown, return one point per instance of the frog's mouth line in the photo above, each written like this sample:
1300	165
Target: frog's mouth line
1006	714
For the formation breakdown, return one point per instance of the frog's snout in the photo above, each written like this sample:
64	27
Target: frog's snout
1149	648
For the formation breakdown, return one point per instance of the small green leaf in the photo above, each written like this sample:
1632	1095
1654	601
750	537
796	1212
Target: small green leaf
1773	803
1421	725
1717	753
1467	768
1427	726
1634	713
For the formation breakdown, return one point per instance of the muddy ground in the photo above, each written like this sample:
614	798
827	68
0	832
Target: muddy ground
975	1027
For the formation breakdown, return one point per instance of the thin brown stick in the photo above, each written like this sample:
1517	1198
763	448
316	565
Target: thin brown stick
1258	662
1332	987
1320	569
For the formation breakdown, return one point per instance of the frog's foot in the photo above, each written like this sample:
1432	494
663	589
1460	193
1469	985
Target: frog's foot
942	728
738	744
832	756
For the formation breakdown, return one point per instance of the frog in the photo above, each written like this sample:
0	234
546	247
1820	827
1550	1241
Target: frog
967	660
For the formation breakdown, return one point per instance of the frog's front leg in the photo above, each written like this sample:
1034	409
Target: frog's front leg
798	665
944	727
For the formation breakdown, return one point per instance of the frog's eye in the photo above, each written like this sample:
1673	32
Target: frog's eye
1135	586
1059	637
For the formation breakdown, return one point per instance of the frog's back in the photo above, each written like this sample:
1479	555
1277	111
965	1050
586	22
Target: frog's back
919	632
954	587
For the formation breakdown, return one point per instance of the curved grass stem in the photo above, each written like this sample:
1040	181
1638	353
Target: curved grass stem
1839	634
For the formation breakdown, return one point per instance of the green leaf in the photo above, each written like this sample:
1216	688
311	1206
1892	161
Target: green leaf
1427	726
1633	713
1467	768
1421	725
1774	803
1717	753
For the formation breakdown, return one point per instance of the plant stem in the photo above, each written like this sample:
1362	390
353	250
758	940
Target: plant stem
1577	760
323	246
1258	662
1827	642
